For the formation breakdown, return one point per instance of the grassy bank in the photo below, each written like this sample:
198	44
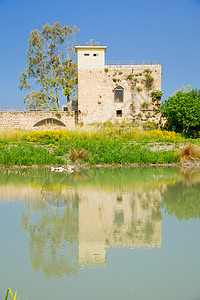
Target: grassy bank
91	145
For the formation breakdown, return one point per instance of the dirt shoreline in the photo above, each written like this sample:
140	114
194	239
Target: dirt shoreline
188	164
76	167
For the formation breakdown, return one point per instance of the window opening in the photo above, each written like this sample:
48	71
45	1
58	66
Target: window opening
95	54
119	113
119	217
119	198
86	54
119	94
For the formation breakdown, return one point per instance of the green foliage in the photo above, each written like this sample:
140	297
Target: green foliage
148	81
51	67
148	115
107	145
149	125
147	71
120	72
106	70
139	89
115	80
183	110
130	76
58	115
78	154
156	95
25	154
139	115
145	105
182	199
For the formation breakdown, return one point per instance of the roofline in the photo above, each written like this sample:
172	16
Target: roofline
90	47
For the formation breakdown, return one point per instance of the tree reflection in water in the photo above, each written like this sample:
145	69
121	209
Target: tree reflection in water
72	228
53	234
182	199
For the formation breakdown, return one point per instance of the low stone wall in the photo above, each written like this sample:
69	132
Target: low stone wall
27	119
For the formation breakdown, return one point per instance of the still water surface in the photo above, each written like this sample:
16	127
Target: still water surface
121	233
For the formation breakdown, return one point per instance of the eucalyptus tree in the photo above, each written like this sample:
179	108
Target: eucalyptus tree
51	67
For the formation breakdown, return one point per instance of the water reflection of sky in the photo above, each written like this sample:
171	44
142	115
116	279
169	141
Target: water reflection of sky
108	240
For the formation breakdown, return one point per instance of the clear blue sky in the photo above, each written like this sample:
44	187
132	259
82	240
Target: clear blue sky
168	31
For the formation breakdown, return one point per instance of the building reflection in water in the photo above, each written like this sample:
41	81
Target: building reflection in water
72	226
74	229
117	220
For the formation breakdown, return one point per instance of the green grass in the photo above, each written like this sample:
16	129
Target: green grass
103	144
26	154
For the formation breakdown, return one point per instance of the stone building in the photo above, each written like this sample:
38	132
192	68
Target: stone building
106	92
115	92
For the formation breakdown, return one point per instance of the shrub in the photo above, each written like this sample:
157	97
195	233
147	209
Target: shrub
130	76
139	89
147	71
156	95
149	81
58	115
145	105
106	70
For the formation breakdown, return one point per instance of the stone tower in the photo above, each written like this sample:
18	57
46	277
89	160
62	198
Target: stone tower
113	92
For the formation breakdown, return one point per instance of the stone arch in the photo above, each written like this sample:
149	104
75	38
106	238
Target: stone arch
49	122
119	94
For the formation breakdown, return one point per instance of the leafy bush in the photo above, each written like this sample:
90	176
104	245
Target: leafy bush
182	110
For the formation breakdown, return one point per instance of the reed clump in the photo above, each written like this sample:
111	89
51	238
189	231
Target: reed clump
78	154
189	152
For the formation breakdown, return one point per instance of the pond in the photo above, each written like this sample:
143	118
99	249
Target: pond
110	233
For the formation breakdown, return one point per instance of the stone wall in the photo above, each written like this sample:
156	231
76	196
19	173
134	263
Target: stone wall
96	93
27	119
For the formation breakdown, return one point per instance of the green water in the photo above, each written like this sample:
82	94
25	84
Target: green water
121	233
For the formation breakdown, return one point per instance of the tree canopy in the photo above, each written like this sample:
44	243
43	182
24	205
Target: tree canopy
183	110
51	67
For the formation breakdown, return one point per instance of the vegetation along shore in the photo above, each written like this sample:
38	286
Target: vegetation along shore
106	144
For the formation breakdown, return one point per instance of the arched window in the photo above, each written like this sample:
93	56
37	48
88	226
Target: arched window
119	94
49	122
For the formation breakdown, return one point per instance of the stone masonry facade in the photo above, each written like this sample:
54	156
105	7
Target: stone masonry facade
98	82
96	93
37	120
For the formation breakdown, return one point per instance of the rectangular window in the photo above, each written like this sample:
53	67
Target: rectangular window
95	54
119	113
86	54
